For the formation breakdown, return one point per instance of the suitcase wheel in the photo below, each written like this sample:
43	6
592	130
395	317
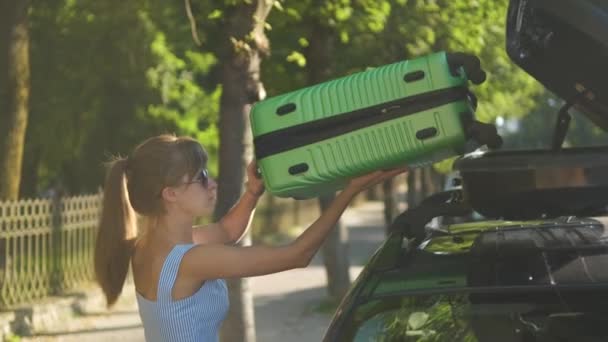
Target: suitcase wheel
471	65
484	134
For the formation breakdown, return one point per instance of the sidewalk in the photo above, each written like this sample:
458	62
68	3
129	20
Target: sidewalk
286	304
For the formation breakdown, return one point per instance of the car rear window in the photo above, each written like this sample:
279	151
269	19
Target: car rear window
471	317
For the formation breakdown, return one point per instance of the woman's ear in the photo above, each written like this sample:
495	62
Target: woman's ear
169	194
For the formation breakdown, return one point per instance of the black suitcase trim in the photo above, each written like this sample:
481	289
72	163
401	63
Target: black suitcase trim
301	135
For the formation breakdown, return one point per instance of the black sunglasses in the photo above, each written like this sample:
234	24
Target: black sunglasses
202	178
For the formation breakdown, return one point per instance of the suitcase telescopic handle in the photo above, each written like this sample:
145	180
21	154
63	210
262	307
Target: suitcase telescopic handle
469	63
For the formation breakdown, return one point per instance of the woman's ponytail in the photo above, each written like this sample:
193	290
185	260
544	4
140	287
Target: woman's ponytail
117	233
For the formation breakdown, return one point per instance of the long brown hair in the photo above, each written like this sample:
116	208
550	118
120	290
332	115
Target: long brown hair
133	185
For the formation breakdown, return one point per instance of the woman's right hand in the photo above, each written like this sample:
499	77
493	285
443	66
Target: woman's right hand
361	183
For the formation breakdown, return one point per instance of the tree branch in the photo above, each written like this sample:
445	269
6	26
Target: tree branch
192	23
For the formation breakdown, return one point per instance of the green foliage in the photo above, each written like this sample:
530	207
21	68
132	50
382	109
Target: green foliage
374	33
445	166
105	77
291	36
421	319
88	78
420	27
12	338
297	58
183	101
327	306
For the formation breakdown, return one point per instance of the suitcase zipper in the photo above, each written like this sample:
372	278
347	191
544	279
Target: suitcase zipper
301	135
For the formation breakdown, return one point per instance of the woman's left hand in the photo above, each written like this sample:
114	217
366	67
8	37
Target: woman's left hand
255	184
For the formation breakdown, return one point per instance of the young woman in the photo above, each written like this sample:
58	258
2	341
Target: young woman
179	269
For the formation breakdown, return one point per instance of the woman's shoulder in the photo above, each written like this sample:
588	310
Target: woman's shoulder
147	263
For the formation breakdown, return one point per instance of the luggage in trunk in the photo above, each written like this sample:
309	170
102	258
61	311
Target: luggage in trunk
309	142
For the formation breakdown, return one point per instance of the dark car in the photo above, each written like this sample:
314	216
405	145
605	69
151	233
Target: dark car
544	280
536	267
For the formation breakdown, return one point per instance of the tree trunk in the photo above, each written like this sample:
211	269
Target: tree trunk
424	183
16	108
335	247
389	192
4	21
433	180
240	78
370	194
29	174
335	256
414	187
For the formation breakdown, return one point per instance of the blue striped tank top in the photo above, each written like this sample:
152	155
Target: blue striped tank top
195	318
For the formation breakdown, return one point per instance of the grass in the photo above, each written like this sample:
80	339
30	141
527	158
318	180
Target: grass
12	338
327	306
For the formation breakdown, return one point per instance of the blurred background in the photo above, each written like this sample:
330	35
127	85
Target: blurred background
81	81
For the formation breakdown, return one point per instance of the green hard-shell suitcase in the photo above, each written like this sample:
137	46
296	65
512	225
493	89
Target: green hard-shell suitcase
309	142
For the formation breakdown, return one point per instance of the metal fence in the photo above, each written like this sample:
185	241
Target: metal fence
46	246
